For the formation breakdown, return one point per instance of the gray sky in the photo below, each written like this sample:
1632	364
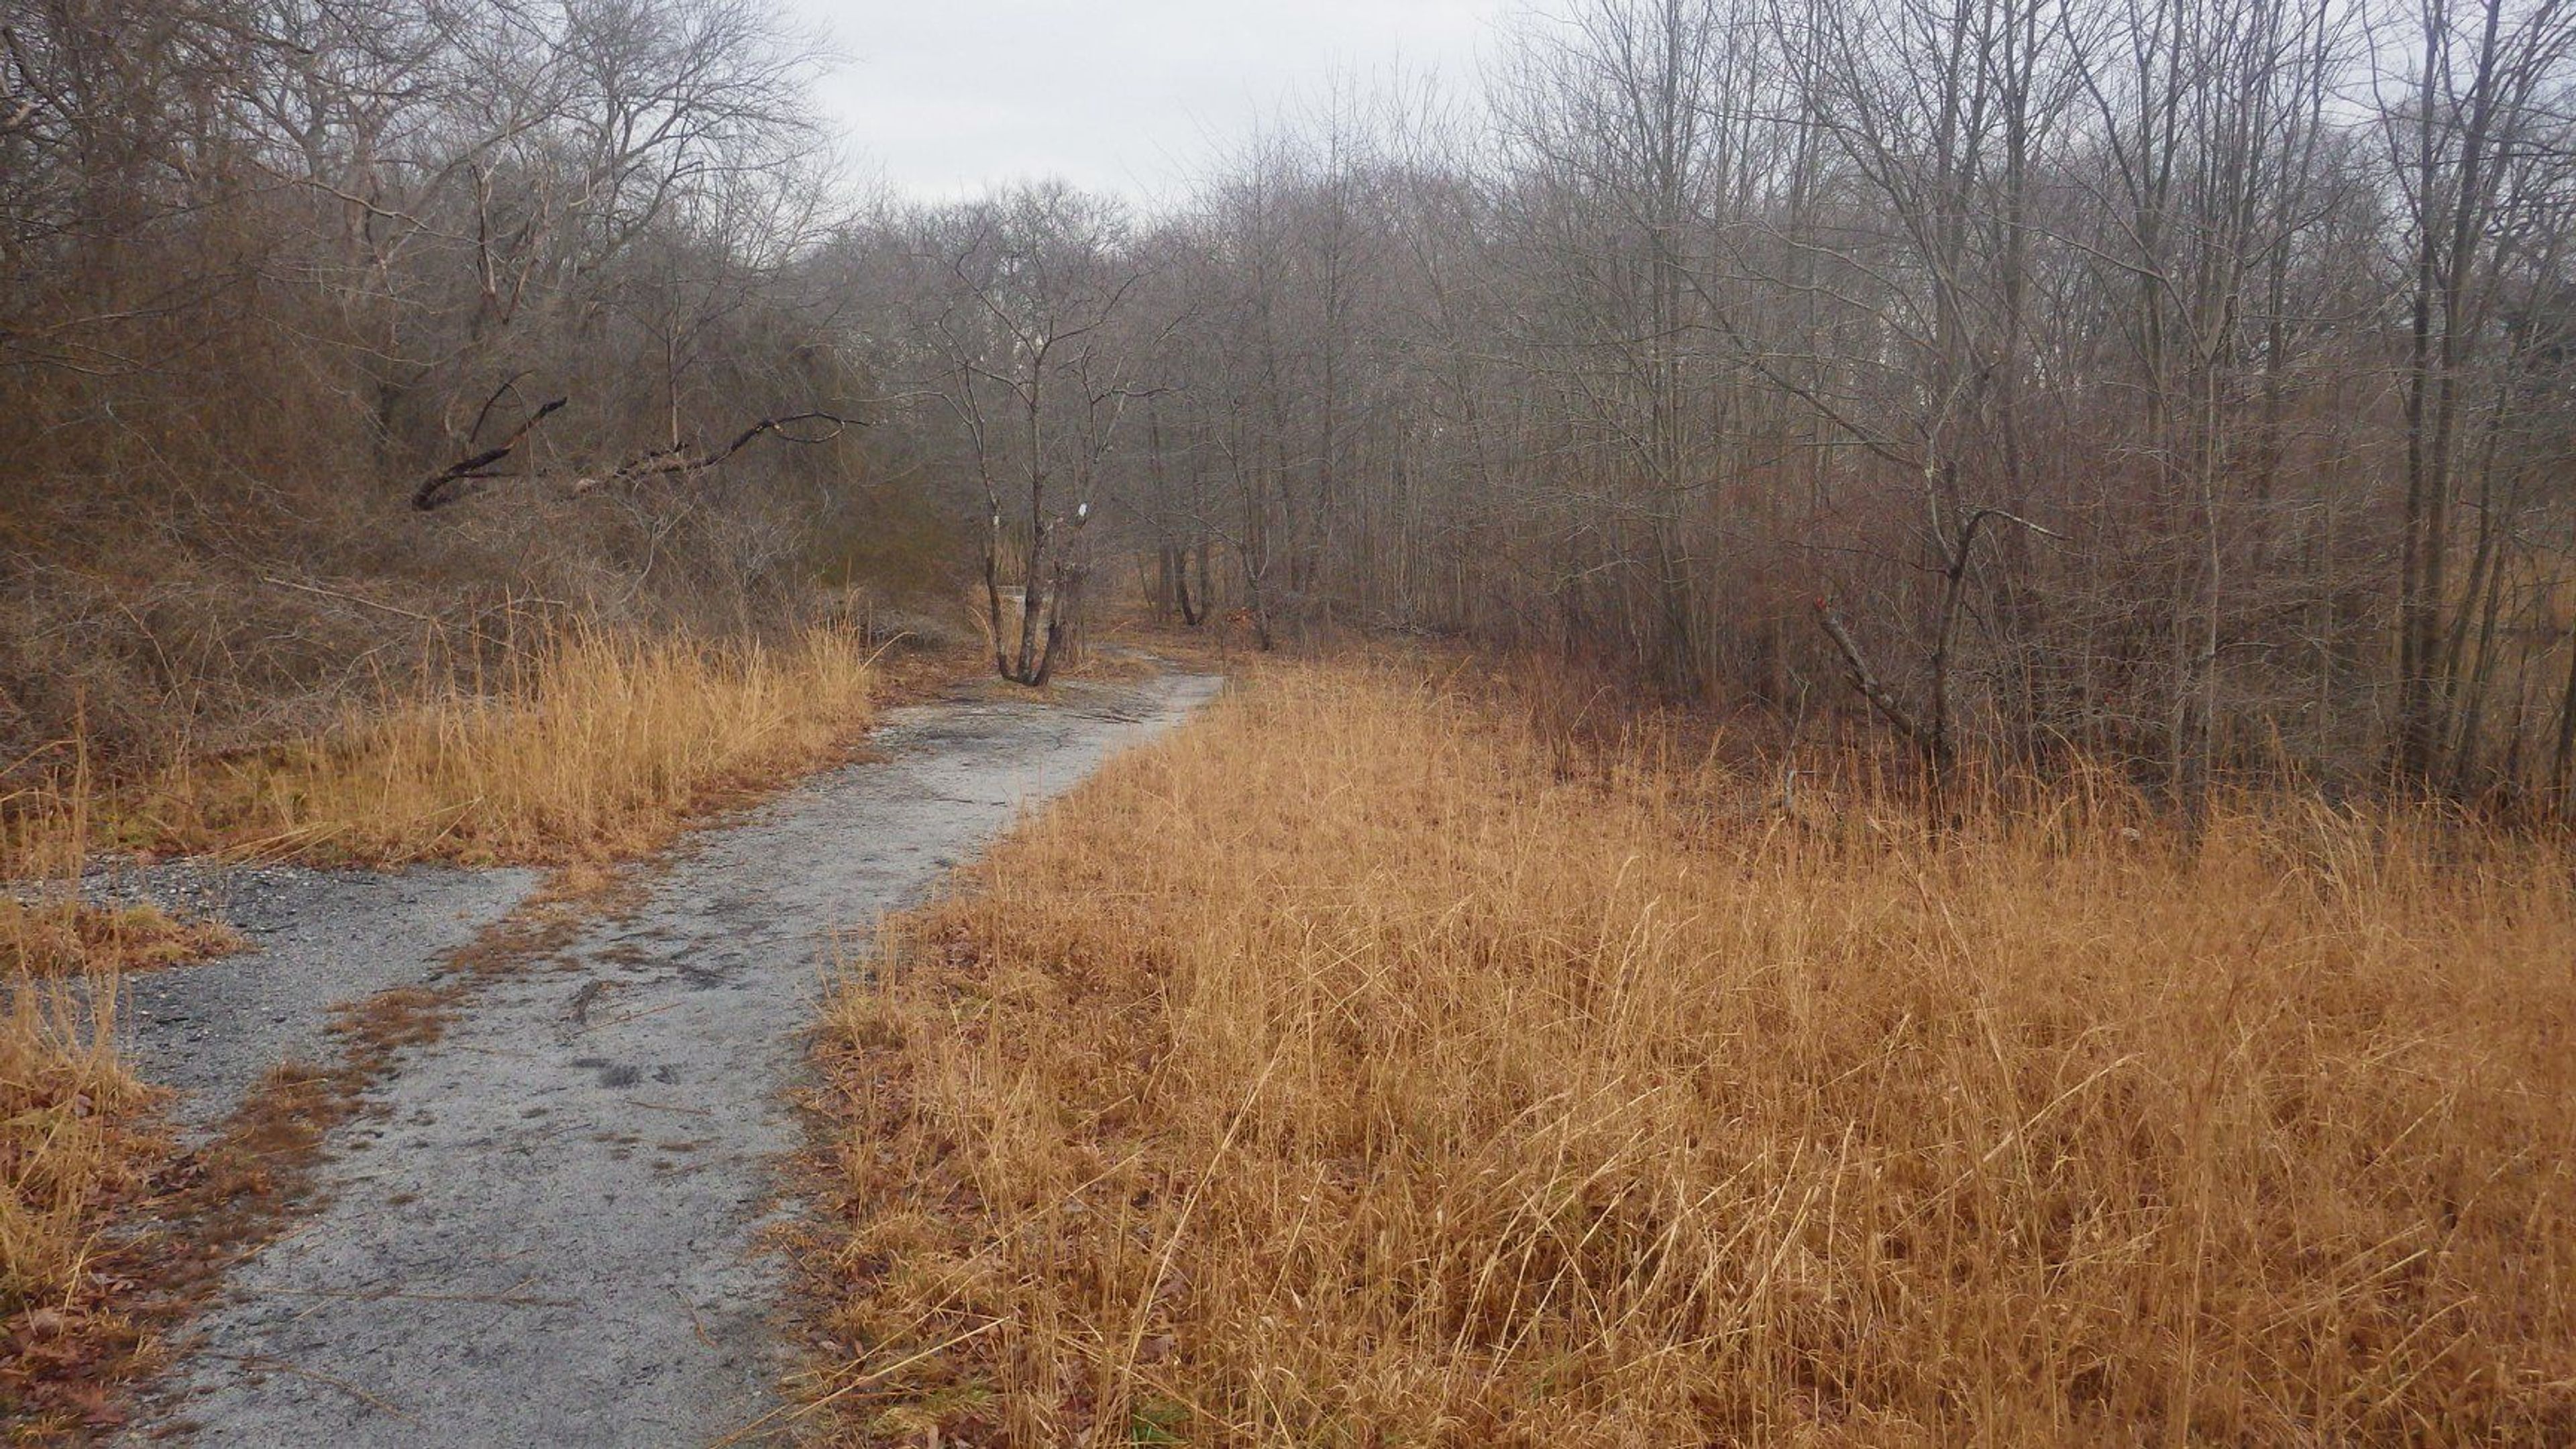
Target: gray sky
1134	96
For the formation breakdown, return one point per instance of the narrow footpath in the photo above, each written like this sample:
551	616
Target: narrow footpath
550	1235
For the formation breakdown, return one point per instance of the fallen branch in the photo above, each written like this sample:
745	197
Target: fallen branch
483	414
679	458
350	598
1865	679
429	494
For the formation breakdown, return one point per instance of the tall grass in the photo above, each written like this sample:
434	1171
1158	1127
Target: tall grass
71	1142
67	1133
1347	1070
595	744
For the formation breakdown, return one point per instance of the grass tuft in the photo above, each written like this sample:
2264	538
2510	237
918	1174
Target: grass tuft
63	935
1346	1069
64	1102
75	1140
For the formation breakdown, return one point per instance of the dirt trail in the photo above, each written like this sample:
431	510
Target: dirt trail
548	1237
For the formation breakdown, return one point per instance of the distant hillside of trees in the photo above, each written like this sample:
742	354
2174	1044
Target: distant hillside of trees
2183	383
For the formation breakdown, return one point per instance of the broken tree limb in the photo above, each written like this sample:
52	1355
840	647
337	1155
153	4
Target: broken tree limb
434	492
680	459
483	415
1865	679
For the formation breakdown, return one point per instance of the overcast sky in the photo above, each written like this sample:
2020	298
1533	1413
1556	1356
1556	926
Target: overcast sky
945	97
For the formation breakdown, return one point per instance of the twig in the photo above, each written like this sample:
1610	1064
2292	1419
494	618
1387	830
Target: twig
696	1325
631	1016
667	1107
351	598
746	1431
261	1361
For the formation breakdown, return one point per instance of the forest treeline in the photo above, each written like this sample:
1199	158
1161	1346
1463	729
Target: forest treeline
2183	383
340	339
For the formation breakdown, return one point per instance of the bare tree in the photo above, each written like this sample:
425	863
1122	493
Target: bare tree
1030	291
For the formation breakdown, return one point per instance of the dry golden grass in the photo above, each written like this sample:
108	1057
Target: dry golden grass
63	935
598	746
47	928
1345	1070
66	1140
74	1136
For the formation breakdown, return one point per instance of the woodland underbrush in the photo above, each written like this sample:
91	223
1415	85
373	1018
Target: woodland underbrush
1359	1065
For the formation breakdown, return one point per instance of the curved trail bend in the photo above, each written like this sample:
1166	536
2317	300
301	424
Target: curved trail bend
548	1235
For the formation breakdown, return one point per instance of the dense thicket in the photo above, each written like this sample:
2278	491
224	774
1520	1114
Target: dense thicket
2182	381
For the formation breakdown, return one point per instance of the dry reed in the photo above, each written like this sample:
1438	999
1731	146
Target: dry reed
58	935
47	926
73	1137
597	744
66	1142
1345	1070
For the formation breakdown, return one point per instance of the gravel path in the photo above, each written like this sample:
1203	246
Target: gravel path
317	937
548	1236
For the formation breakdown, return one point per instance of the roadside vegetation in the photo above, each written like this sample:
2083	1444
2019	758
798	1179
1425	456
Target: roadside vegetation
1376	1062
589	745
75	1140
66	936
584	744
595	745
74	1146
447	433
